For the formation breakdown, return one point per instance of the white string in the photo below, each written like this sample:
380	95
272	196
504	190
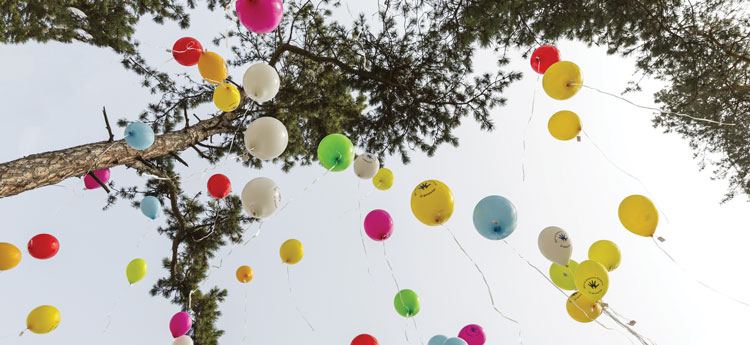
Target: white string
360	229
291	295
112	311
526	132
244	324
398	291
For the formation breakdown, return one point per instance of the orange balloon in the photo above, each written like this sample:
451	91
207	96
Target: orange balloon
244	274
212	67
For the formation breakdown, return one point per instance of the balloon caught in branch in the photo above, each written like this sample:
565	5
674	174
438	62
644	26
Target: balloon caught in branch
136	270
139	135
226	97
180	324
383	180
562	80
639	215
606	253
336	152
366	166
555	245
10	256
364	339
43	319
495	217
562	276
261	197
266	138
564	125
542	58
43	246
591	280
260	16
212	67
219	186
432	202
186	51
90	183
150	206
291	251
582	309
261	82
406	303
244	274
378	225
473	334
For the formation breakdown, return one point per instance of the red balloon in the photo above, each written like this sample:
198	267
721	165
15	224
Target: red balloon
543	57
43	246
187	51
364	339
219	186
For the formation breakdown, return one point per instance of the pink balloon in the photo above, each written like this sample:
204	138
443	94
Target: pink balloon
260	16
473	334
89	181
378	225
180	324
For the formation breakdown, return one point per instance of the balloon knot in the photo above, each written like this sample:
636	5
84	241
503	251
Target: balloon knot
661	239
631	323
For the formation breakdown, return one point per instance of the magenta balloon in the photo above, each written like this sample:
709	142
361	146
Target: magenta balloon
378	225
260	16
473	334
180	324
89	181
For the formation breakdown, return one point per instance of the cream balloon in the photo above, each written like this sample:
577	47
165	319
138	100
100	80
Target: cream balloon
261	82
555	245
366	166
266	138
261	197
183	340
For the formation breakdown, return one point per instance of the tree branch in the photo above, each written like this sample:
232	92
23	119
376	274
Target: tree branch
109	129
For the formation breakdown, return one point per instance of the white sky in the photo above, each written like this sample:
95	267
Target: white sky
53	96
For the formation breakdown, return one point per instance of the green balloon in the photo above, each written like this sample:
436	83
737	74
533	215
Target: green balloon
563	276
406	303
136	270
337	151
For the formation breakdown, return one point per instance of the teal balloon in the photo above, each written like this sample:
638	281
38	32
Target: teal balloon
150	206
495	217
406	303
455	341
139	135
336	152
437	340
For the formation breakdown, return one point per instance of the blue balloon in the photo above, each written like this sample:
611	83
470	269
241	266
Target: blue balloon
455	341
437	340
150	206
495	217
139	135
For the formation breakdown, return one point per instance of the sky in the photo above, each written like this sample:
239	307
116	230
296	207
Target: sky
53	95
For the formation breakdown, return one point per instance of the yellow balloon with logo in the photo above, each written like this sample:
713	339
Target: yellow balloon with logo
432	202
291	251
562	80
244	274
212	67
564	125
43	319
10	256
383	180
591	279
226	97
639	215
582	309
606	253
562	276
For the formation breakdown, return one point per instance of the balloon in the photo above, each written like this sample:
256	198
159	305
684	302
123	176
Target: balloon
582	309
564	125
291	251
226	97
180	324
212	67
366	166
473	334
495	217
437	340
244	274
43	319
378	225
335	152
186	51
432	202
383	180
455	341
43	246
89	181
606	253
261	197
136	270
219	186
364	339
266	138
562	276
10	256
150	206
555	245
591	279
542	58
261	82
183	340
139	135
260	16
638	214
406	303
562	80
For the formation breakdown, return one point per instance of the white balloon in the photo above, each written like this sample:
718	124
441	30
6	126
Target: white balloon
261	197
366	165
261	82
266	138
555	245
183	340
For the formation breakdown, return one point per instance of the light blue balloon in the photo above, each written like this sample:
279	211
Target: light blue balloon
139	135
150	206
455	341
437	340
495	217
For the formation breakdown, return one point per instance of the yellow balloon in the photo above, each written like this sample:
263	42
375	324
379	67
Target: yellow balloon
562	276
638	214
212	67
43	319
291	251
432	202
591	279
582	309
562	80
136	270
244	274
226	97
606	253
564	125
10	256
383	180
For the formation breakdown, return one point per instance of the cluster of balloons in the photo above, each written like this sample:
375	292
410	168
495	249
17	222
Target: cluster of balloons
562	80
42	246
469	335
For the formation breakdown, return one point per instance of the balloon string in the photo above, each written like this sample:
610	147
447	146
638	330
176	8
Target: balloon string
398	291
289	279
638	336
112	311
526	132
360	229
304	190
143	237
244	324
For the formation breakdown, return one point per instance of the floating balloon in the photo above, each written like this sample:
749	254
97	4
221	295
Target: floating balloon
582	309
180	324
562	276
43	246
183	340
432	202
555	245
639	215
378	225
364	339
150	206
261	197
562	80
244	274
212	67
266	138
495	217
90	183
260	16
335	152
139	135
564	125
136	270
473	334
406	303
261	82
606	253
455	341
366	166
43	319
591	279
186	51
383	180
542	58
291	251
10	256
437	340
226	97
219	186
